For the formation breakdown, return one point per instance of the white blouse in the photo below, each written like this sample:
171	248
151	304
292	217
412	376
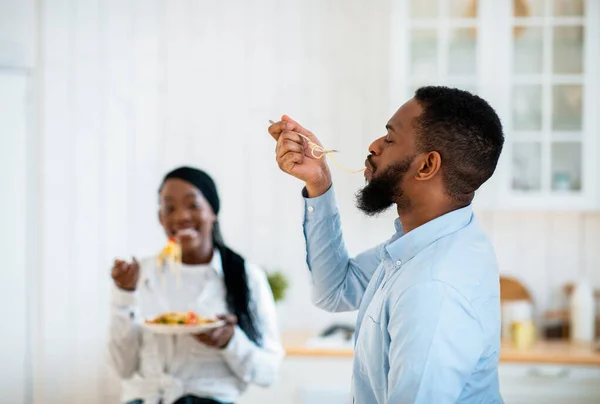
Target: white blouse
167	367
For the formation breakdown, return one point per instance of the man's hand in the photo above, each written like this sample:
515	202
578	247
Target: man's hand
219	337
126	275
294	156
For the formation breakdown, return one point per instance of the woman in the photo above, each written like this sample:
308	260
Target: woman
208	368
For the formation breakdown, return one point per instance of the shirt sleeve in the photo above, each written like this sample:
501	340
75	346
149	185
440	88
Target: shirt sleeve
436	342
124	335
250	362
338	281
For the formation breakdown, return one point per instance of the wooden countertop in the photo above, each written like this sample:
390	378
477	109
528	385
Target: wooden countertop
547	352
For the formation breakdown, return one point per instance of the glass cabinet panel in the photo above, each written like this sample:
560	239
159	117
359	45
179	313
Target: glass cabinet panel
527	168
462	57
424	8
566	107
528	50
423	46
527	107
529	8
443	45
566	166
569	7
567	50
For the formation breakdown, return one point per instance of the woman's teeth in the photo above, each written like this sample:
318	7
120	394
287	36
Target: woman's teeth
185	233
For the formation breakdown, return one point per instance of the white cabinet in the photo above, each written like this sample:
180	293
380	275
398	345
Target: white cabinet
538	63
549	384
307	380
327	381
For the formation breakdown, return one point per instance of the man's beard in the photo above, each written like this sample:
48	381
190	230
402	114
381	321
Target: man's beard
384	190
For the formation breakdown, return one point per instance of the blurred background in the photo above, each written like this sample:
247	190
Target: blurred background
100	98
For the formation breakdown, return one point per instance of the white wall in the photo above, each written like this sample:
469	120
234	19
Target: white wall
14	164
129	89
17	180
17	34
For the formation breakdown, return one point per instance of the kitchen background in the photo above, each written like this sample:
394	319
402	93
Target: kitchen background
99	98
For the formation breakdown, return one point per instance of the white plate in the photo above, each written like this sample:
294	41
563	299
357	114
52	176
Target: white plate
182	329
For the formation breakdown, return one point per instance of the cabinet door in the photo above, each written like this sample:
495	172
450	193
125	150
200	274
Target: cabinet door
537	63
551	124
549	384
307	380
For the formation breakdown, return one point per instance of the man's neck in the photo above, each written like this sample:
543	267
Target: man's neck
416	216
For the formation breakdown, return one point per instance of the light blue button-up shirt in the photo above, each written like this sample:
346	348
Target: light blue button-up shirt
428	328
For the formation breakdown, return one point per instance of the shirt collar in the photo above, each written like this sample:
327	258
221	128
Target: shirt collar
406	246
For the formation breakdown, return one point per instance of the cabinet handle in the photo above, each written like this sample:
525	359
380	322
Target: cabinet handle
549	373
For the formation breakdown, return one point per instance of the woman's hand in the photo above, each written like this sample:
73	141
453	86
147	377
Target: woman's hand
219	337
126	274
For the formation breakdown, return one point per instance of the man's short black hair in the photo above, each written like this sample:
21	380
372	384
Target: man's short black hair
467	133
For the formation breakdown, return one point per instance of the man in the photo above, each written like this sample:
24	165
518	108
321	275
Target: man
428	299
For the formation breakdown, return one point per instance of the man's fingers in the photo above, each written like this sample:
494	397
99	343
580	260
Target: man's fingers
286	146
288	161
296	127
276	128
292	136
288	124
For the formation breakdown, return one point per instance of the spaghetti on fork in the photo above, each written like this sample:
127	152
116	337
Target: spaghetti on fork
170	257
315	148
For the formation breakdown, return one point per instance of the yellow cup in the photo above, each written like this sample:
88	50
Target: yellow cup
523	334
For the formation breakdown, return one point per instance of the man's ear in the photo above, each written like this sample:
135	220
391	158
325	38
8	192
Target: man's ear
429	166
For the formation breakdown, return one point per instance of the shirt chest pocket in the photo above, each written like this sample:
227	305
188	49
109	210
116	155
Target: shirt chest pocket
371	348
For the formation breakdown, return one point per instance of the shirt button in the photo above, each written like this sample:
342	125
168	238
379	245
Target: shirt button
310	209
398	263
